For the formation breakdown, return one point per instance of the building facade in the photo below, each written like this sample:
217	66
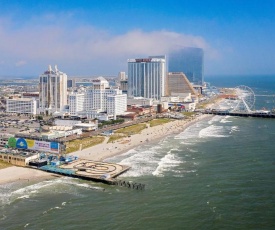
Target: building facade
190	61
178	83
52	91
116	104
70	83
99	98
22	105
146	77
76	103
121	76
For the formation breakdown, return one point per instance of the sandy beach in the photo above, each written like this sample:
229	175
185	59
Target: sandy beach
16	174
106	150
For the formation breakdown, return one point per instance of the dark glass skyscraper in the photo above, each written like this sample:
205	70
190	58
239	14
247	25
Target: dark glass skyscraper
190	61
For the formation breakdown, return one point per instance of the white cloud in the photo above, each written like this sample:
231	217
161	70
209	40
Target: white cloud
86	45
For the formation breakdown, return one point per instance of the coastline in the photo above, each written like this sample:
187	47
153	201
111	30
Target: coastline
104	150
18	174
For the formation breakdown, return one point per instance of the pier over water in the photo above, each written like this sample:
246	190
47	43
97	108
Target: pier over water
96	171
240	114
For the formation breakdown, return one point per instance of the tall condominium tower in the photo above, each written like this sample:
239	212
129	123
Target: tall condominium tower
52	91
146	77
190	61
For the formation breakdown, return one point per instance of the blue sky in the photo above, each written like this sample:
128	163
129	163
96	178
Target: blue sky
97	37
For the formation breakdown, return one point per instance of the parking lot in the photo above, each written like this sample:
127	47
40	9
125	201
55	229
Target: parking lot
18	124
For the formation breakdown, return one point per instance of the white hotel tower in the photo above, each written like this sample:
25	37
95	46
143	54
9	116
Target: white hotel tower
52	91
96	99
146	77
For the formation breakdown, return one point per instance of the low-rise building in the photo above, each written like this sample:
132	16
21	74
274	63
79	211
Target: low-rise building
140	101
17	157
22	105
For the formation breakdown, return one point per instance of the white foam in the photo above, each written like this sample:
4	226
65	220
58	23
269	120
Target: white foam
23	197
225	120
45	212
60	184
190	132
215	119
187	143
212	131
166	163
192	150
235	129
116	158
32	188
88	186
141	163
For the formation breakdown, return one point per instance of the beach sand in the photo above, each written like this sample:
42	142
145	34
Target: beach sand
106	150
16	174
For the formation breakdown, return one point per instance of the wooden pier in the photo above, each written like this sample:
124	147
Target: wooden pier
96	171
240	114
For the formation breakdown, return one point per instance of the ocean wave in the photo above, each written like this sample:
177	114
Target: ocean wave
62	184
166	163
192	150
188	143
234	129
212	131
225	120
215	119
88	186
23	197
51	209
141	162
123	155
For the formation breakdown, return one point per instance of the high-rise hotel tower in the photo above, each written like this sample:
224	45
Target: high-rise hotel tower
146	77
52	91
190	61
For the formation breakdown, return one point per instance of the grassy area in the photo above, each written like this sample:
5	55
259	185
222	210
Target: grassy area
188	114
124	132
133	129
159	121
116	136
4	164
74	145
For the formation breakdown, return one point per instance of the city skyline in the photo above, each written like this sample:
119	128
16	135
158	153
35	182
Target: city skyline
86	39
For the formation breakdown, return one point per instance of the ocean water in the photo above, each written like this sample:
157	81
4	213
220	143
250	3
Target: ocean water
217	174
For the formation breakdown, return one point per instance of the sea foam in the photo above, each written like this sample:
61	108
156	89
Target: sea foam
212	131
166	164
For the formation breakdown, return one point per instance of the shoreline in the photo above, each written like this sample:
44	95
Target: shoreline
15	174
106	150
103	151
